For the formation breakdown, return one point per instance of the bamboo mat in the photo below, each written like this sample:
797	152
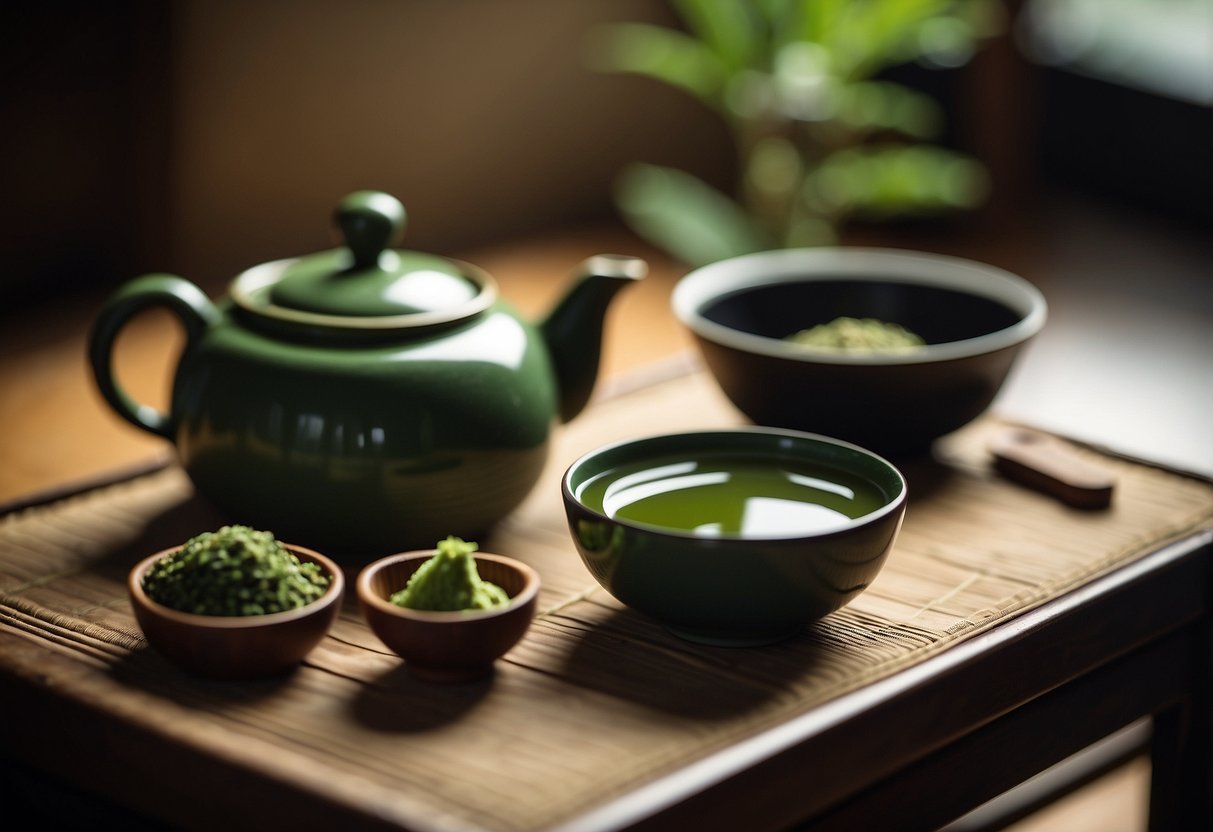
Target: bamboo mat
596	700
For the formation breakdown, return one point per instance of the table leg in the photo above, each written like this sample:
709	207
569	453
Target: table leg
1181	791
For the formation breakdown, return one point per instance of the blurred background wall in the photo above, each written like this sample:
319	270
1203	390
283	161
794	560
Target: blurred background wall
203	136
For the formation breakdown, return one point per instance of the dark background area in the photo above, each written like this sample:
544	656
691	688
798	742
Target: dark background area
204	137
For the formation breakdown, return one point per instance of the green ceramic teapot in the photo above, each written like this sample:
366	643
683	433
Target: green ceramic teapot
366	399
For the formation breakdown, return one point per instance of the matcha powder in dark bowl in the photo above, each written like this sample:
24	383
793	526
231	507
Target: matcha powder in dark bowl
234	571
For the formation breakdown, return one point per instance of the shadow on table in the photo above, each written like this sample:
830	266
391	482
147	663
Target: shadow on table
148	671
926	476
628	656
395	702
171	527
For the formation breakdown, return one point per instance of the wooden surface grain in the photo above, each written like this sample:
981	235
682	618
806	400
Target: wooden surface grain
595	702
1122	364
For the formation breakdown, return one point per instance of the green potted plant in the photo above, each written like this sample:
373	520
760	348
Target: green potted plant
822	138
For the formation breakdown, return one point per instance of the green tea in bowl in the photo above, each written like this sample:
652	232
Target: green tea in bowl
734	537
714	495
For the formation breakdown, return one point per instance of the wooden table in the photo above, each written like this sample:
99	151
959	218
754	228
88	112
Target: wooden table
1006	632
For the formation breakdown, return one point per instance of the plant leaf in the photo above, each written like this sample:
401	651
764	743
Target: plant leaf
870	36
685	216
873	106
893	180
664	54
814	20
732	29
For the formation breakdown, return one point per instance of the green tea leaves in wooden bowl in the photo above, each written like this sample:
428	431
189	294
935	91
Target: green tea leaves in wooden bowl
734	537
235	603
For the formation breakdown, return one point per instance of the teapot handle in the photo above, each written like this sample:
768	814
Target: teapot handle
185	300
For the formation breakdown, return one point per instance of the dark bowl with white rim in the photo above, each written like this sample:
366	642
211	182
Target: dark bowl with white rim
740	571
974	318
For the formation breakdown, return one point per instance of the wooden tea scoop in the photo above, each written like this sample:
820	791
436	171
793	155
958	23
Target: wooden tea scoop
1048	464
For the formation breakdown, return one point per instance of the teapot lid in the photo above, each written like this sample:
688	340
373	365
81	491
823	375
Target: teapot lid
366	284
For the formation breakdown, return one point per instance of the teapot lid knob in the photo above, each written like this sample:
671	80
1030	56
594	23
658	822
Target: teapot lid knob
371	222
366	284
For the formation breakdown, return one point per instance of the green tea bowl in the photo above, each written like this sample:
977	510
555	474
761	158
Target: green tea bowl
736	537
974	319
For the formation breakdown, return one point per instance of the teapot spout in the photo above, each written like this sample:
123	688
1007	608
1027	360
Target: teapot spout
573	329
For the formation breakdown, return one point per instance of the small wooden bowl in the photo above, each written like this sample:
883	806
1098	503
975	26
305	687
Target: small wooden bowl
236	646
448	646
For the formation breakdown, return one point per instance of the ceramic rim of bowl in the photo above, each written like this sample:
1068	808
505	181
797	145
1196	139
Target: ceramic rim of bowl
236	622
708	283
892	505
362	588
248	291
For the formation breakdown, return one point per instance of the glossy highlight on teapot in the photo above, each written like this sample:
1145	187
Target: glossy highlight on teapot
366	398
727	495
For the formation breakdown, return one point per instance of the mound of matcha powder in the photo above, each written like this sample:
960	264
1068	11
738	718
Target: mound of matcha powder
858	334
449	581
234	571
